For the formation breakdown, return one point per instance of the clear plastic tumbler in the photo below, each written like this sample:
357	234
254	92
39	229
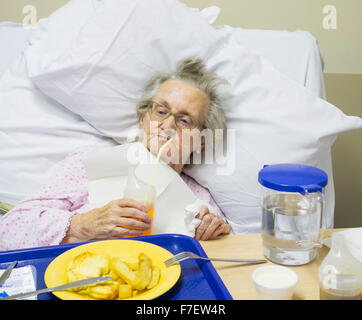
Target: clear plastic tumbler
141	192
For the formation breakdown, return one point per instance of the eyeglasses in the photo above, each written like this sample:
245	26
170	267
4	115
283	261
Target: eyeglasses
160	112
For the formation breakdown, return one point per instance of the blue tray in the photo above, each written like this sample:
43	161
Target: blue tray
198	281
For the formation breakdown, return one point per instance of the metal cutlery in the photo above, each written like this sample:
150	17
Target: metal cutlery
7	272
70	285
190	255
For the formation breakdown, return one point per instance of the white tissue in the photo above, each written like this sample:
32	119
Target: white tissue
191	222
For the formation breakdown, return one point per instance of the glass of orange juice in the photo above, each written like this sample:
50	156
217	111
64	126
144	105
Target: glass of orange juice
143	193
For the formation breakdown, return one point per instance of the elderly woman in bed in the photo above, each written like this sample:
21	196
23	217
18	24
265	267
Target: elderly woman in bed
58	213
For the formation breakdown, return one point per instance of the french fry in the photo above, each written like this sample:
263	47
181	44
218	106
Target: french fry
155	278
125	291
144	272
115	276
134	265
105	291
129	278
124	271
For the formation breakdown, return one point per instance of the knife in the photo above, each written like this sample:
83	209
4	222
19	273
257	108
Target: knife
70	285
7	272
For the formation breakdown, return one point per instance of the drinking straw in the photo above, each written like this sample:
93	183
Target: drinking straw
158	159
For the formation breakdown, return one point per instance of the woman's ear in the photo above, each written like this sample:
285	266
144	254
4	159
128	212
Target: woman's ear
143	120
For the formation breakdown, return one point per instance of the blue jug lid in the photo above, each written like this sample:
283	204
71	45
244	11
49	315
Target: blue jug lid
292	177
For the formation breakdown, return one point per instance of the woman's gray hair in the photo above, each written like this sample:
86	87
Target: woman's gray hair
193	71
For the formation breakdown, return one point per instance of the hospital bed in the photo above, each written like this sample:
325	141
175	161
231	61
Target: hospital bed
296	54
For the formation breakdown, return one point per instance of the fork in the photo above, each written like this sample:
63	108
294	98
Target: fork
190	255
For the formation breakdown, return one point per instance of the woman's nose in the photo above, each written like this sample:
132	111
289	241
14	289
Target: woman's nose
169	132
169	125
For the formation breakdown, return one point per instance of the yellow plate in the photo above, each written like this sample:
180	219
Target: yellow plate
128	250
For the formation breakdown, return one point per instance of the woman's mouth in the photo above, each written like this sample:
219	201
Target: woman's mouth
163	138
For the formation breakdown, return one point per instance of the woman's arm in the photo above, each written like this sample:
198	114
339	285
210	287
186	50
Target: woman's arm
44	218
211	225
118	218
58	213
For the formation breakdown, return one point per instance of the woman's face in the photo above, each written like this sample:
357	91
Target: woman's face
188	103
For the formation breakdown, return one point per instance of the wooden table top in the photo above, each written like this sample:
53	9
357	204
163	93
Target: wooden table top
237	277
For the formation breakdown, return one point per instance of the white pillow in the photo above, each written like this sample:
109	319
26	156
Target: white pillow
102	72
296	54
12	43
76	13
36	133
210	14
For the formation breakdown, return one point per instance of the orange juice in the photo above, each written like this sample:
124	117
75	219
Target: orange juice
150	214
143	193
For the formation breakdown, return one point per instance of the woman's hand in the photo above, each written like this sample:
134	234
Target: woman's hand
211	225
110	221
